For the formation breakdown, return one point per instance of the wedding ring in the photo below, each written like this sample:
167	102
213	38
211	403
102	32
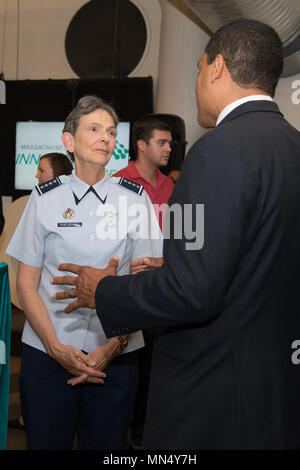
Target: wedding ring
70	293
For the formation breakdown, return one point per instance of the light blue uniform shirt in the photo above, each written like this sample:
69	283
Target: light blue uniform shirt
113	222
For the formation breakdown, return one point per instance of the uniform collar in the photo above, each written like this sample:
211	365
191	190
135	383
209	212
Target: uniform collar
80	188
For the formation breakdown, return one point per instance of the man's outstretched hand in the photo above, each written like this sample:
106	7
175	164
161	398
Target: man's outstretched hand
85	283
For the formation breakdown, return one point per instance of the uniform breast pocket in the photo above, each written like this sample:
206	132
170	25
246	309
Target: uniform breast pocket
68	241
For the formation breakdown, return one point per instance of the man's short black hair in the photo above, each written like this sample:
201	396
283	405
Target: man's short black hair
143	130
252	52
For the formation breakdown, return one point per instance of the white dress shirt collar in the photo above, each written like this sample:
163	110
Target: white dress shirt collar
230	107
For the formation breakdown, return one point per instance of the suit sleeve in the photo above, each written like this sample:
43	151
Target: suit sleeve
191	286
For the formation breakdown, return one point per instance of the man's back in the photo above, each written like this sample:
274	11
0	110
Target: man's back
234	367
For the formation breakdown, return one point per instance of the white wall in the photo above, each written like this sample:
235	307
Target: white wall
148	65
182	44
287	97
174	46
42	28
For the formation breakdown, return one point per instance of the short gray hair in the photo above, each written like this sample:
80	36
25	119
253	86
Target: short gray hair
86	105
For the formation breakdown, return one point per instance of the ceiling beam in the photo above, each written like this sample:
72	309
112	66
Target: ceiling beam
185	10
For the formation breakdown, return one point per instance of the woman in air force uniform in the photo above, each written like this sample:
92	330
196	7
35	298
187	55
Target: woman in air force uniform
73	379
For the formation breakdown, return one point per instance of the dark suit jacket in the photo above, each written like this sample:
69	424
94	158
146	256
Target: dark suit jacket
222	374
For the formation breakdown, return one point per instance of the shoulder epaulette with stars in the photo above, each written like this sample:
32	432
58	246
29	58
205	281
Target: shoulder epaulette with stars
48	185
128	184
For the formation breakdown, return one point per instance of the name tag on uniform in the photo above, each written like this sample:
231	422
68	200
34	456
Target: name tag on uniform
69	224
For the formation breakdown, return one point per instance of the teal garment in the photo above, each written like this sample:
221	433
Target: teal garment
5	331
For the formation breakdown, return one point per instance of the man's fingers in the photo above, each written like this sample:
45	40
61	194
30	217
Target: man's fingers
69	267
113	262
138	265
66	294
139	262
73	306
140	269
64	280
154	262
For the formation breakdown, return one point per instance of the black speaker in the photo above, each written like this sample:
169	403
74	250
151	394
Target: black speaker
177	126
106	39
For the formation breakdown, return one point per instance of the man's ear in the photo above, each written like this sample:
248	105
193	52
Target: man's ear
68	141
141	145
218	68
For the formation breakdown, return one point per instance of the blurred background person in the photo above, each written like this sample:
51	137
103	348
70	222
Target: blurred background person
52	165
152	140
174	175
